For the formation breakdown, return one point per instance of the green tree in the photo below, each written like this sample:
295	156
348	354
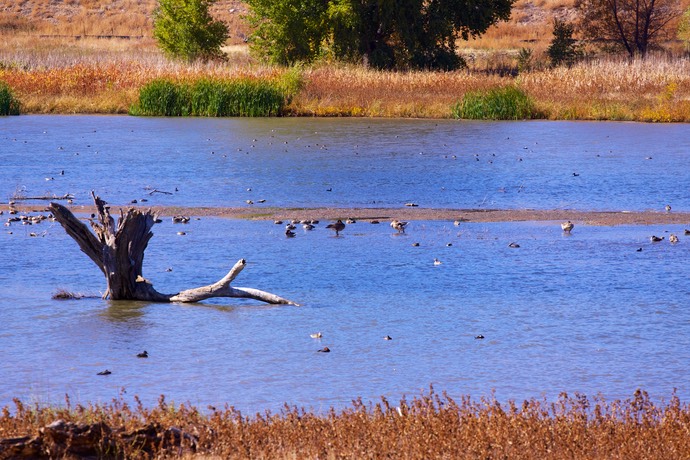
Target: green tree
185	29
563	48
392	34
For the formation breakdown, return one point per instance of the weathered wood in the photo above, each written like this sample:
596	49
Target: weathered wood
118	251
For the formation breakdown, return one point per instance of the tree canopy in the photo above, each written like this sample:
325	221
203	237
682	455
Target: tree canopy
185	29
390	34
633	25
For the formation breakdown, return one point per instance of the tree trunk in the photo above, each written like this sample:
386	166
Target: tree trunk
118	250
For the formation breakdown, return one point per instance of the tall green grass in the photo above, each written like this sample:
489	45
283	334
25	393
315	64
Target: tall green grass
210	98
508	103
9	104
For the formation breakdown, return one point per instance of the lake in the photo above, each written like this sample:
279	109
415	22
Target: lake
585	312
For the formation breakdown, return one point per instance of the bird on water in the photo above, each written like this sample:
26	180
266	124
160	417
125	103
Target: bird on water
399	226
338	226
567	226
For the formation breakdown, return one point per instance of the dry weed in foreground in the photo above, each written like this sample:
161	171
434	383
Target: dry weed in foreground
429	426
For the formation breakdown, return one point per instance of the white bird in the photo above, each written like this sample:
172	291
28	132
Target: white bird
316	335
437	262
673	238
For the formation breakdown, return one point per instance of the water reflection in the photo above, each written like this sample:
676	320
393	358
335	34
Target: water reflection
123	311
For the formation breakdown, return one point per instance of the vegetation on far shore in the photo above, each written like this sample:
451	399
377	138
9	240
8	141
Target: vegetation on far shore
77	74
655	89
428	426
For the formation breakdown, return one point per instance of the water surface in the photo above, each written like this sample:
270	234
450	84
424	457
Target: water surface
581	313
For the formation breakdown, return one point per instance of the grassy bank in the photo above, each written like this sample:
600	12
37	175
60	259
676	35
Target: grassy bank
428	426
655	89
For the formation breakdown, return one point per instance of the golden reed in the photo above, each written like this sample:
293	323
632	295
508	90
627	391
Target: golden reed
430	426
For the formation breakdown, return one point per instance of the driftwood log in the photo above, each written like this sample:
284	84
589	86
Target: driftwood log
118	250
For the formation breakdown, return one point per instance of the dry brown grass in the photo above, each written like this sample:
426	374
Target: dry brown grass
655	89
355	91
429	426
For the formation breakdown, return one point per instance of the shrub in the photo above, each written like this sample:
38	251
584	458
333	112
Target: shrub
9	104
185	29
210	98
563	48
508	103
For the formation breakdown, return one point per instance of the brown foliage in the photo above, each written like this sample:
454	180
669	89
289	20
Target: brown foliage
633	25
428	426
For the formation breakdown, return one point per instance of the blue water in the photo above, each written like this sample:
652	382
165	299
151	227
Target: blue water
363	162
585	312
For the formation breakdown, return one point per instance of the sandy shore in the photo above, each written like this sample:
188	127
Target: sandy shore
255	212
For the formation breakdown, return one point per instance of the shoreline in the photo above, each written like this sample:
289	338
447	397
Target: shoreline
601	218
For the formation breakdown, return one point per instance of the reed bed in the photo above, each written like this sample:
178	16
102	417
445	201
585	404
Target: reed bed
9	104
508	103
83	80
427	427
356	91
656	89
210	98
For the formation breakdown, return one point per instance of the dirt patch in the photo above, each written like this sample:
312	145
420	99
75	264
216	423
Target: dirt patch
607	218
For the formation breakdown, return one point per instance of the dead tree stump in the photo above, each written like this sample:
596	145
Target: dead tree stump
118	251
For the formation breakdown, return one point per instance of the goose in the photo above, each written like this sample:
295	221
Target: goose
338	226
567	226
398	225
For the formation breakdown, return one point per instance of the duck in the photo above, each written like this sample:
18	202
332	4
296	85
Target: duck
388	337
668	208
567	226
143	354
686	232
655	239
324	350
479	337
308	226
351	221
338	226
105	372
398	225
673	238
316	335
278	222
180	219
289	233
437	262
514	245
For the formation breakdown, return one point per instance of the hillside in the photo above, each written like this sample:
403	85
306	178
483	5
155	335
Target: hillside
530	22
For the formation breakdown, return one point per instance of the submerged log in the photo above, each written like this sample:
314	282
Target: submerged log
118	251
